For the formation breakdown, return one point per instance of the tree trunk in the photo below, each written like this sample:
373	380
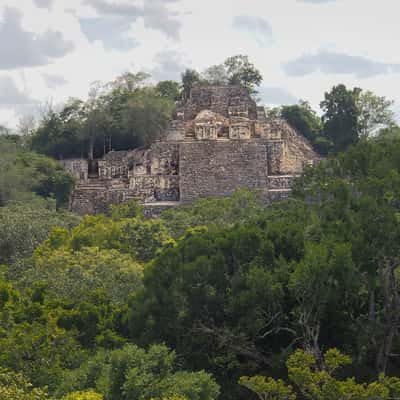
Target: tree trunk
391	311
371	311
91	149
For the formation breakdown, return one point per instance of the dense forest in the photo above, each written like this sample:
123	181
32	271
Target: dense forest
226	298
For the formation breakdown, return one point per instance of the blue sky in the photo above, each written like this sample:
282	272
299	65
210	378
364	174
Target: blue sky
54	49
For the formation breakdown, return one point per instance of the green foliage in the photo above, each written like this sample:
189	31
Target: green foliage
24	226
87	395
316	383
241	71
31	342
133	373
306	121
189	78
215	75
16	387
374	113
230	285
140	238
322	281
236	70
123	114
268	388
340	119
303	118
349	115
391	133
221	289
129	209
130	82
242	206
76	274
25	175
169	89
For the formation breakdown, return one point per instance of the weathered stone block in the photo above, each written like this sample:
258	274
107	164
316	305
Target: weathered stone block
218	168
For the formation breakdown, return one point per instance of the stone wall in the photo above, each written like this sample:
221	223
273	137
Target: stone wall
223	100
278	195
155	188
113	165
297	152
77	167
218	168
275	151
164	158
175	131
278	182
218	141
154	210
87	200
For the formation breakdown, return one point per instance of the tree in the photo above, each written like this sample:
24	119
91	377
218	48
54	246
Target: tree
134	373
24	226
388	134
33	344
94	123
320	383
129	81
16	387
141	238
323	280
374	113
222	291
268	388
189	79
59	132
169	89
123	114
303	118
356	199
25	175
306	121
70	274
26	125
241	207
215	75
340	119
144	116
87	395
241	72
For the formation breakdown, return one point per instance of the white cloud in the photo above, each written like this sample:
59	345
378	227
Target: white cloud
111	30
338	63
53	81
14	102
359	39
43	3
11	95
257	27
275	95
317	1
169	65
155	13
21	48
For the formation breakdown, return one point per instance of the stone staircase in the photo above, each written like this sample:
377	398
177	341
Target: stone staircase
190	132
93	184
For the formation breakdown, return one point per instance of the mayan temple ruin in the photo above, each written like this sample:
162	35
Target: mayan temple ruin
217	142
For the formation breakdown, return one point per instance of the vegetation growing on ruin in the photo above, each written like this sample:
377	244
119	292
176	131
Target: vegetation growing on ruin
220	299
226	298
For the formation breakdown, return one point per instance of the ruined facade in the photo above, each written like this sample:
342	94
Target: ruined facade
217	142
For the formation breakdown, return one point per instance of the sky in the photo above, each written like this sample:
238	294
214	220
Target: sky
51	50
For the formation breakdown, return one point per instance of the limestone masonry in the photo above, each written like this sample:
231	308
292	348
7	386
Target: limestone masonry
217	142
